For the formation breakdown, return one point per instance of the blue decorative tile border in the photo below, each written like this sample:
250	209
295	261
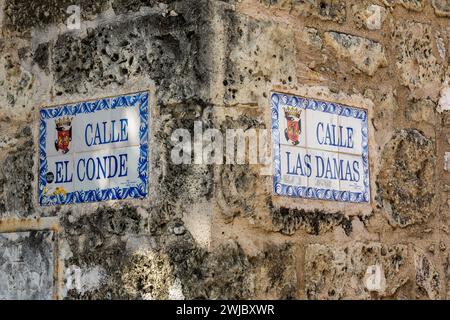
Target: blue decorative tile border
278	99
123	101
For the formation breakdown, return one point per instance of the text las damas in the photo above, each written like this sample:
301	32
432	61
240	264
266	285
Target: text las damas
324	167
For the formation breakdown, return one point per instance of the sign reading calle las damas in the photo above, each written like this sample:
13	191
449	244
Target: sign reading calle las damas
320	149
94	150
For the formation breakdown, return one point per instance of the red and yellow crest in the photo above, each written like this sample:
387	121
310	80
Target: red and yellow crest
293	125
64	137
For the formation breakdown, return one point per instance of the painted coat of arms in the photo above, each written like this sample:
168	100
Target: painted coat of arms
293	125
64	137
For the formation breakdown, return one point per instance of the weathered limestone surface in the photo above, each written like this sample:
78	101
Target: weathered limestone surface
419	67
257	52
16	178
27	265
328	10
422	111
441	7
370	16
174	56
336	272
216	230
414	5
407	178
366	54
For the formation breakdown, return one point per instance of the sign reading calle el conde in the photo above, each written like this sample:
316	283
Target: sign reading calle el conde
94	150
320	149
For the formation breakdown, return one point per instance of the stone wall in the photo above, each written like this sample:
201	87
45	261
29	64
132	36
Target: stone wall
217	231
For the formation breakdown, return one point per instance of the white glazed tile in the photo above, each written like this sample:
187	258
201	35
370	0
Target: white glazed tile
52	136
85	127
352	178
128	119
93	174
283	123
294	170
106	129
323	174
320	130
61	168
128	177
120	169
351	135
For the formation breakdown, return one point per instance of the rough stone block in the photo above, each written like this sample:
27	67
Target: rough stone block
414	5
16	82
441	7
26	265
364	271
367	55
406	180
447	161
428	279
174	55
23	15
16	178
334	272
329	10
125	6
259	52
422	111
333	10
370	16
419	69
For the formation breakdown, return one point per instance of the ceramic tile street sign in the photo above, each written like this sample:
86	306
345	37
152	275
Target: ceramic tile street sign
94	150
320	149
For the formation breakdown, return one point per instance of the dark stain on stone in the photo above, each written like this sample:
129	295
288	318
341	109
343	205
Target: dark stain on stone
41	55
223	274
174	54
125	6
16	195
313	222
96	239
23	15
